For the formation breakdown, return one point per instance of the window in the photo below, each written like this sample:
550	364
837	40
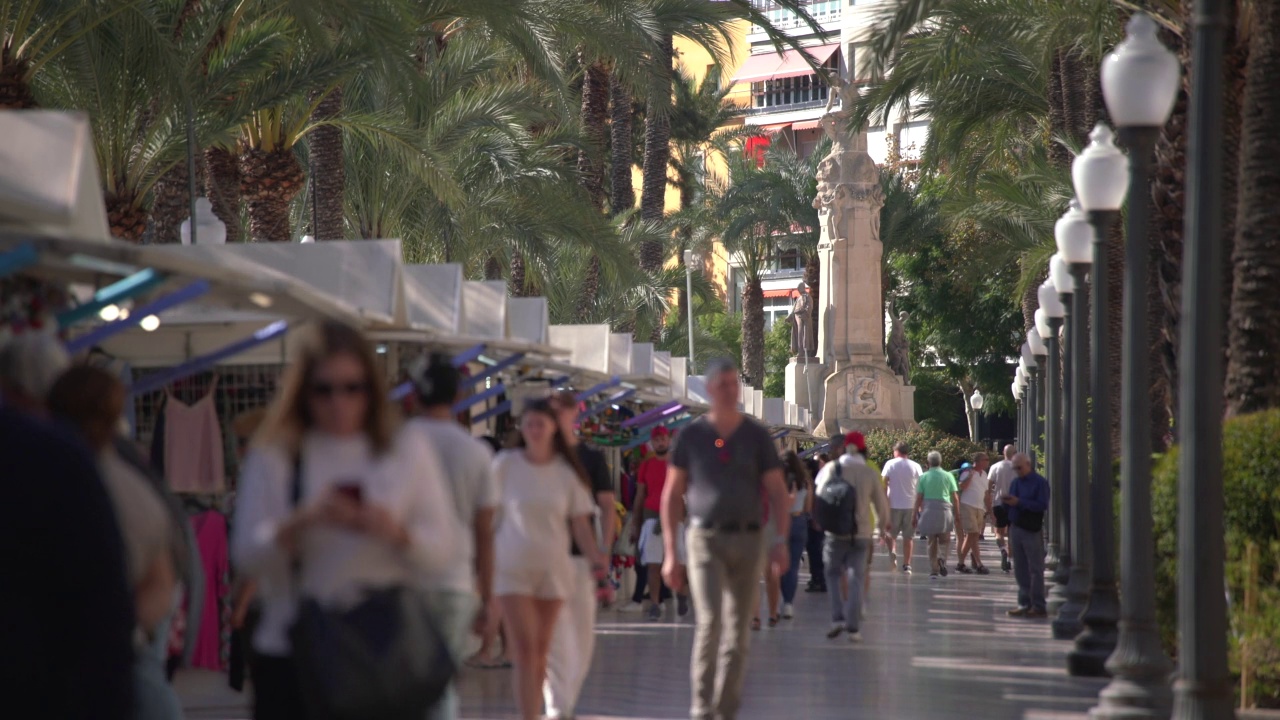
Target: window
789	261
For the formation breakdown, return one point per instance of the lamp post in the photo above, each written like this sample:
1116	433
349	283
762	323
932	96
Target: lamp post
1035	345
1203	688
1099	175
690	259
1140	81
1056	312
976	402
209	230
1074	238
1047	328
1031	368
1020	381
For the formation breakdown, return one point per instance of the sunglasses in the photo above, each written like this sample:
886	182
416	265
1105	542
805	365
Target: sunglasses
328	390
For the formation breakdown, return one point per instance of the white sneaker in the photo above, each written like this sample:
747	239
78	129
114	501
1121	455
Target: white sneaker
854	637
788	612
631	607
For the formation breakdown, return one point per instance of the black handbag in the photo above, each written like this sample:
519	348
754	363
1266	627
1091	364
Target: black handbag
383	659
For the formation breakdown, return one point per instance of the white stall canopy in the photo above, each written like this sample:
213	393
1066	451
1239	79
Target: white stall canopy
620	353
528	320
433	297
775	412
484	309
587	345
49	181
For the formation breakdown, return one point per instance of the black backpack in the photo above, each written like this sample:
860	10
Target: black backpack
836	504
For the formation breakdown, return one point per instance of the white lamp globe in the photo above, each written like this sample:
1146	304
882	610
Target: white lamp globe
1140	77
209	229
1028	356
1100	173
1043	331
1060	274
1034	340
976	400
1049	301
1074	235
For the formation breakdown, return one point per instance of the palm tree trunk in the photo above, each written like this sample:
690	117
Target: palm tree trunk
517	281
1253	377
1058	153
492	268
223	189
328	171
657	155
753	333
171	204
622	194
595	115
126	218
269	181
15	91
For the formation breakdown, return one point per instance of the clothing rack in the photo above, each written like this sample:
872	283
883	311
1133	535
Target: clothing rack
240	388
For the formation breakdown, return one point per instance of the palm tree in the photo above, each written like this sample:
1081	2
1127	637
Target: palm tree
1253	383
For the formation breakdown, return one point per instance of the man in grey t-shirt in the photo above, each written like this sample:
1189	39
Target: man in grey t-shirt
725	463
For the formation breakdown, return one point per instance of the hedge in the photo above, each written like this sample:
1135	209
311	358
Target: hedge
1251	480
954	449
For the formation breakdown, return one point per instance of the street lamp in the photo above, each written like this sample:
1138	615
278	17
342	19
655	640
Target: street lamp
1100	176
1140	81
1048	324
1020	381
976	401
1048	386
1074	239
1036	374
690	260
209	230
1203	688
1028	363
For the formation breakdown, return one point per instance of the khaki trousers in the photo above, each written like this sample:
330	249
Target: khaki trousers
724	576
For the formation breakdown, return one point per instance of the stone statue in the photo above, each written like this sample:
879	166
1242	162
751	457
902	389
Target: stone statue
800	319
898	351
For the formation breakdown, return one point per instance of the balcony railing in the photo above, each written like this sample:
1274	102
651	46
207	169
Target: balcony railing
788	107
824	11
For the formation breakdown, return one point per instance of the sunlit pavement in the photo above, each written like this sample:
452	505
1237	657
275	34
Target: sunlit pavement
931	649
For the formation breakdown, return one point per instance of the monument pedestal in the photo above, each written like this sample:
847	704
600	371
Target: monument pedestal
804	384
864	394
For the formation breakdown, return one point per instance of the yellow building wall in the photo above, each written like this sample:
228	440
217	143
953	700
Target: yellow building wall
696	61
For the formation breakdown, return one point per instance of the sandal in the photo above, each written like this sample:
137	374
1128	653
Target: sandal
482	663
755	623
773	621
981	569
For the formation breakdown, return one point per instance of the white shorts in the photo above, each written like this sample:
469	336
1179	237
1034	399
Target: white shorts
535	580
651	548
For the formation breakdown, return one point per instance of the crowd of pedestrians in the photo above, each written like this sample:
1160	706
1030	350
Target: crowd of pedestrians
357	521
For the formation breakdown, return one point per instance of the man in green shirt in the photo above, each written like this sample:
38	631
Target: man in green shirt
938	507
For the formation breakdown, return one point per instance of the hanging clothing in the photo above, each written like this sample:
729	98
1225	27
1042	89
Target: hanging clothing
211	535
193	452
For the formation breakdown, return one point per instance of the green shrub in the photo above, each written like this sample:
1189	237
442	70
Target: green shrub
954	448
1251	480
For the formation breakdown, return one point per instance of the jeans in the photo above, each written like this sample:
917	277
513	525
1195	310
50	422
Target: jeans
1028	567
154	697
454	611
724	577
796	542
817	571
847	556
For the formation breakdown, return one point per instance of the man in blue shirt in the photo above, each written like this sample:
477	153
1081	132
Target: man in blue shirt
1027	500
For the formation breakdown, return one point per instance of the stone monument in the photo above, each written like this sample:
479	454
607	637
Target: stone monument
858	391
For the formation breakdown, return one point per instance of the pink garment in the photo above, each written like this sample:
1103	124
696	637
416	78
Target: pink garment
193	453
211	536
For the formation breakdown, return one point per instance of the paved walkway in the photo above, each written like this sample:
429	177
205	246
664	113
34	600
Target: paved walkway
932	649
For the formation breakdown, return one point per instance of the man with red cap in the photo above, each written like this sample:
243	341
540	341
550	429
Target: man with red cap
846	490
650	479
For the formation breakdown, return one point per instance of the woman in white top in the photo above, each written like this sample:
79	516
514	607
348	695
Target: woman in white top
545	496
364	518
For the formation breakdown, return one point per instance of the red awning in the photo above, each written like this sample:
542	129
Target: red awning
779	293
772	129
806	125
771	65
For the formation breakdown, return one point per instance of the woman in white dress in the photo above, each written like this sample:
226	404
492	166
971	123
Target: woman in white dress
545	497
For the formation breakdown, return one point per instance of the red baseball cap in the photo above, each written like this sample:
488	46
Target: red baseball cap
660	431
857	440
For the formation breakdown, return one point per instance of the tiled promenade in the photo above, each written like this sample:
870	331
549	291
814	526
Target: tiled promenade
932	649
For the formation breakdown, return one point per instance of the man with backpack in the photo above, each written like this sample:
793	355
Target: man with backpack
847	489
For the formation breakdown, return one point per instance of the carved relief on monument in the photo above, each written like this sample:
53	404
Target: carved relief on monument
863	396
